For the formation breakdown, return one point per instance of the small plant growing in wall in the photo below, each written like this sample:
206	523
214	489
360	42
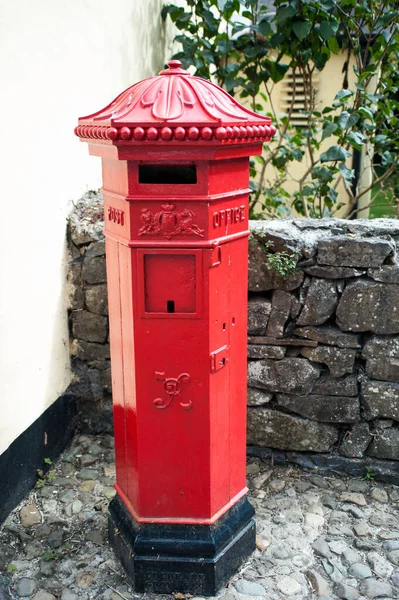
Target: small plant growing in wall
283	263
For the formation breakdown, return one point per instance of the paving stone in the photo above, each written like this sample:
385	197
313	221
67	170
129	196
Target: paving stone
43	531
340	530
33	549
354	497
43	595
55	539
73	508
319	585
391	545
338	546
339	516
67	594
362	529
47	567
353	510
329	501
67	496
395	579
364	543
371	588
259	481
334	569
394	557
249	588
109	492
320	303
321	548
84	580
277	485
381	519
30	515
380	495
89	474
26	586
289	586
279	552
358	485
381	567
360	571
342	590
351	556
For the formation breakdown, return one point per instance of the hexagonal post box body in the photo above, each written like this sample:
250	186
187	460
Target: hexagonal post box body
175	154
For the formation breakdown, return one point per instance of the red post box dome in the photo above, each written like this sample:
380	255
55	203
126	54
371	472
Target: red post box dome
176	107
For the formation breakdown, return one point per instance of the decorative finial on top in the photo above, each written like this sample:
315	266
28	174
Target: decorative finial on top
174	64
174	68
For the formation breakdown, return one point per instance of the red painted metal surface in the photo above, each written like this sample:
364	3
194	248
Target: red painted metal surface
175	154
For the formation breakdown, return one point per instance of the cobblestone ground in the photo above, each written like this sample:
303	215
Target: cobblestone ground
317	536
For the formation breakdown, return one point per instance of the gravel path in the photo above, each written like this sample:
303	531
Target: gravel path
318	537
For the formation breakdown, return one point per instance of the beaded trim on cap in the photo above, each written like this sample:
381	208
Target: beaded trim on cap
175	106
166	134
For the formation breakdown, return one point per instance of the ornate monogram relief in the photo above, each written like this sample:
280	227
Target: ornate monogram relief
168	222
172	388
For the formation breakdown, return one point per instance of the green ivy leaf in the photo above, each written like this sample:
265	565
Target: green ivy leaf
347	120
285	13
328	29
264	27
342	96
347	174
356	139
334	153
333	45
302	29
328	129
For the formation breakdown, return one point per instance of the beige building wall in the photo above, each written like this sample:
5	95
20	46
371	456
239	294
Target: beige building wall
59	60
327	83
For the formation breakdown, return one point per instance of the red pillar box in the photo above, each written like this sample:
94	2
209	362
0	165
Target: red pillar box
175	151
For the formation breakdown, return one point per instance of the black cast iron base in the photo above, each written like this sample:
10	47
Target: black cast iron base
195	559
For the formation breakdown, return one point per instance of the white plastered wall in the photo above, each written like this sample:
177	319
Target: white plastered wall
59	60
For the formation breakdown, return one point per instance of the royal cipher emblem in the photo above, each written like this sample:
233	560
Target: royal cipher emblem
169	222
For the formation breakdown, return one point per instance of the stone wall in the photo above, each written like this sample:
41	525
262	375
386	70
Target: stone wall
323	352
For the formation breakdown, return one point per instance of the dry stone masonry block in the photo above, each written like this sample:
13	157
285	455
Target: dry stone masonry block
294	375
382	358
323	346
352	252
321	302
366	305
279	430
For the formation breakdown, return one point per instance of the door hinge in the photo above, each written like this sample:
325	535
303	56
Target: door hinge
219	358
